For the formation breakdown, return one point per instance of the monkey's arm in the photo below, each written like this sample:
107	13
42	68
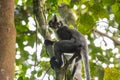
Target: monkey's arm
48	42
49	47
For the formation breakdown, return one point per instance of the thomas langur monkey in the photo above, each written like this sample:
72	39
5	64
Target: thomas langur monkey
71	41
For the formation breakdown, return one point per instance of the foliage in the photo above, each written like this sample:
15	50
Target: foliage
112	74
90	14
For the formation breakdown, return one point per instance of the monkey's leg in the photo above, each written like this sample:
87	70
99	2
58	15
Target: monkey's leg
63	46
76	64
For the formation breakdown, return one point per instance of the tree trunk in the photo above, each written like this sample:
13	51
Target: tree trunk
7	40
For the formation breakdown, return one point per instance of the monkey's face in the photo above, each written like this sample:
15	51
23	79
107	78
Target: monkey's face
54	23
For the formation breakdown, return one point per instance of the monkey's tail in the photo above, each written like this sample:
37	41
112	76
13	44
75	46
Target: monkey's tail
86	64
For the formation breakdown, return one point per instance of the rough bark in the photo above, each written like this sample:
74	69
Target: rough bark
40	17
7	40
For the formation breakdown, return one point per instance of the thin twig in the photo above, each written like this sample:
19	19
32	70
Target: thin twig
36	43
116	42
46	73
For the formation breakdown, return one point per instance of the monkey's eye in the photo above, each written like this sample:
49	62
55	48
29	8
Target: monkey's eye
59	24
51	24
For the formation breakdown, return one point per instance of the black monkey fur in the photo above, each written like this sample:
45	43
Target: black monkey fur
71	41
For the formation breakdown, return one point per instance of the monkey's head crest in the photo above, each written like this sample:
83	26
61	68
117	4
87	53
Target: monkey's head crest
54	23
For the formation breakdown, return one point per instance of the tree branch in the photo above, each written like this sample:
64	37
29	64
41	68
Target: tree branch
40	17
116	42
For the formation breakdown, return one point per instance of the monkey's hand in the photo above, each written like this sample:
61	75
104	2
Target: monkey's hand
54	63
48	42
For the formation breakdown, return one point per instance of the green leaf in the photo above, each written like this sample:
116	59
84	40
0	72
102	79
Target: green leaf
96	70
83	1
115	7
39	73
51	1
16	1
31	39
44	52
98	11
20	78
111	74
85	23
29	1
64	1
102	58
59	2
117	17
44	64
108	2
